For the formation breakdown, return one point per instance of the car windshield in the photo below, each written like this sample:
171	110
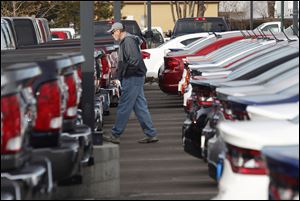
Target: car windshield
102	27
190	26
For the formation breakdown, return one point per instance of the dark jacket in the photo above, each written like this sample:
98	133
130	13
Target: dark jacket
130	58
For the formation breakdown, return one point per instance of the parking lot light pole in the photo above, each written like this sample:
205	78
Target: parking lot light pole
282	16
117	11
251	15
87	49
149	15
295	17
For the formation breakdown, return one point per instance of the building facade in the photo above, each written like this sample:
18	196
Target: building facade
161	13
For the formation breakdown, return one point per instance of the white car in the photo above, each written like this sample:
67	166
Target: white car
155	58
285	111
244	175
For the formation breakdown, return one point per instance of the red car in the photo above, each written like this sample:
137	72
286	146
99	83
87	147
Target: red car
173	69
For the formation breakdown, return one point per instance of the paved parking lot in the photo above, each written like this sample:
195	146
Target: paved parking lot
162	170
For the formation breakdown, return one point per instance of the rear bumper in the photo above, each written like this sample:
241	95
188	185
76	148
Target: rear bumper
190	140
14	161
65	158
83	134
33	181
10	190
168	81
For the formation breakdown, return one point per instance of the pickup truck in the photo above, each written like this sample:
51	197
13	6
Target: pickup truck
54	133
14	39
131	26
198	25
273	26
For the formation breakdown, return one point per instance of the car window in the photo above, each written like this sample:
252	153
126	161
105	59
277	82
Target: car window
190	26
199	45
157	39
25	32
272	27
101	28
3	41
189	41
7	36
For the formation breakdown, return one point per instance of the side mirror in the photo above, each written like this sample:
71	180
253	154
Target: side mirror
169	33
148	34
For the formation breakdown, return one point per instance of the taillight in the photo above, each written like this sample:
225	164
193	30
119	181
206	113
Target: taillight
105	65
283	187
146	55
205	101
49	117
144	45
189	104
172	63
11	120
71	109
200	19
105	71
245	161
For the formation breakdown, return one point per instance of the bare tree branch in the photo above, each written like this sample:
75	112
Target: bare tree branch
172	10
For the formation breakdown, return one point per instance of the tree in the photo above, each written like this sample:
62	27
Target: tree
59	13
271	9
187	9
27	8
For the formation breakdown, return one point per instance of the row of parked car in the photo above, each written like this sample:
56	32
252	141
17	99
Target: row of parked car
240	91
44	143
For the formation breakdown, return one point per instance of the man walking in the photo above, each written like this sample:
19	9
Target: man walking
131	73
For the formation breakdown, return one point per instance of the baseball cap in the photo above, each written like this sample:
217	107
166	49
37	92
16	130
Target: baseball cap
116	26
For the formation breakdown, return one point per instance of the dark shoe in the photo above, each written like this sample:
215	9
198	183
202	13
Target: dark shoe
148	140
112	138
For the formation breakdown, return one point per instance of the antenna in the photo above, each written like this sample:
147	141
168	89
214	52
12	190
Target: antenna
277	40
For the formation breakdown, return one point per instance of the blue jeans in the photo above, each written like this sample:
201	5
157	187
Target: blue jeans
133	98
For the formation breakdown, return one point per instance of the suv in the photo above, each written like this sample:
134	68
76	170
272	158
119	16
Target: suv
131	26
199	24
